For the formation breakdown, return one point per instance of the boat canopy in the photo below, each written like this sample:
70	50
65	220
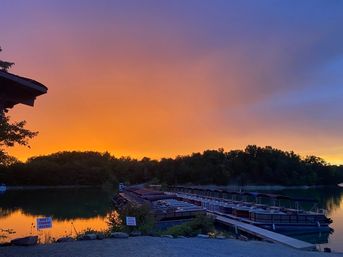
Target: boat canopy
309	200
253	194
279	197
275	196
158	197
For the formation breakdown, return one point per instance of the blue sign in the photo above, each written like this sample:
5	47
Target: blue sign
131	221
43	223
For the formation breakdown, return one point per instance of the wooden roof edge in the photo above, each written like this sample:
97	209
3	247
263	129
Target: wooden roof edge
24	81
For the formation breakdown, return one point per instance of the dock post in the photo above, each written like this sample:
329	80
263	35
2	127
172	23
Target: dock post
236	231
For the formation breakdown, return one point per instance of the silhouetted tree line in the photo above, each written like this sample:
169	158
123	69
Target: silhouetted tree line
254	165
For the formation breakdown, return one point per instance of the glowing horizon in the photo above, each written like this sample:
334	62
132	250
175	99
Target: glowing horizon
160	79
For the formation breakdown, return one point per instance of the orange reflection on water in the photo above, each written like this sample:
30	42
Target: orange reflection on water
337	216
25	225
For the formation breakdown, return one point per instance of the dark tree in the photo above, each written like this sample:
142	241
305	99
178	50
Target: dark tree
254	165
4	66
11	134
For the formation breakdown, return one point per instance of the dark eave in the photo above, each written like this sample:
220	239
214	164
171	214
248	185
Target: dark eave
15	89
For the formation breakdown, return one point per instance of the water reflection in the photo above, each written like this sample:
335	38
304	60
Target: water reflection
66	204
329	198
313	238
61	204
24	225
72	211
79	209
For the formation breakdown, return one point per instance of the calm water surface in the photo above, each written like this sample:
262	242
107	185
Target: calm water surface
74	210
331	199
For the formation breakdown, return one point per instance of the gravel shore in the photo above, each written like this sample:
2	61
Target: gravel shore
160	247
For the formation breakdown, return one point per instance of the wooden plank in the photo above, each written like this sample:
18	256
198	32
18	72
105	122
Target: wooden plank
265	234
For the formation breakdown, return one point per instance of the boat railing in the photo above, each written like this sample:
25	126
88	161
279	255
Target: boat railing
210	200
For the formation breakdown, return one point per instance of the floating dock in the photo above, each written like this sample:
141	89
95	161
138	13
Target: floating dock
165	207
213	204
169	206
264	233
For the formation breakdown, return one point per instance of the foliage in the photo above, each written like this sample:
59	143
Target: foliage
4	66
14	133
46	238
73	168
90	231
144	219
115	222
5	232
202	224
7	160
253	165
11	134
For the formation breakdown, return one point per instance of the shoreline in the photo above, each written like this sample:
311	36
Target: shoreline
260	187
156	246
211	186
48	187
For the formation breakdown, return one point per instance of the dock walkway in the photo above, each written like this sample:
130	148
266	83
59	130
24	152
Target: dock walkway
264	233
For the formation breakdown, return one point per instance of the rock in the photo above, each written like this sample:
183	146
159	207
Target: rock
327	250
5	244
203	236
154	234
243	238
89	237
168	236
25	241
136	233
181	237
119	235
65	239
220	237
100	236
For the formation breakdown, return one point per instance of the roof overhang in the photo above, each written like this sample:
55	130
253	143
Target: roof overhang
18	90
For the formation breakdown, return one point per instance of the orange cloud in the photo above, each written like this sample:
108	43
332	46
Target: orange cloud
167	81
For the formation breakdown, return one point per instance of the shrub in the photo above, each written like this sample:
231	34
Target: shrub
201	224
91	231
144	218
114	222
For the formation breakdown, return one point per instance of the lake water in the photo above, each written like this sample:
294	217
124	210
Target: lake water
331	199
74	210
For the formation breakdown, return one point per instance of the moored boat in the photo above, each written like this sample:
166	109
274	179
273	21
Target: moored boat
167	209
272	216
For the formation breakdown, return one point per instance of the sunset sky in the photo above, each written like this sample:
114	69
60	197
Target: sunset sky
162	78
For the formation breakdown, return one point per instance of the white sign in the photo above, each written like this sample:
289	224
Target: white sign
43	223
131	221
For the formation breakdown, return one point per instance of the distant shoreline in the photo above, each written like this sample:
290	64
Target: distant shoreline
228	187
48	187
260	187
